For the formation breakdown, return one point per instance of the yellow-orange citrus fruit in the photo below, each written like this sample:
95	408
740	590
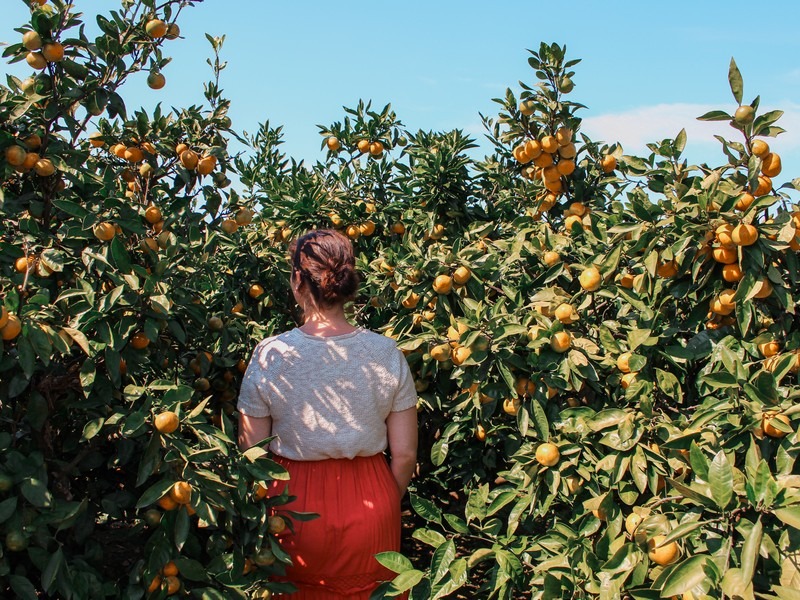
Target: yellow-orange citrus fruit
173	31
571	221
276	524
23	263
526	107
460	354
549	144
32	40
333	143
667	269
411	300
760	148
590	279
632	522
732	273
155	584
608	163
563	136
769	429
367	228
363	146
156	81
551	258
12	328
170	569
167	503
461	275
376	148
662	554
547	454
244	216
152	214
206	164
744	234
560	341
511	406
139	341
53	52
189	159
626	280
768	349
771	165
622	362
627	380
763	289
255	291
166	422
725	256
156	28
480	432
180	149
105	231
398	227
441	352
4	315
543	160
568	151
173	585
44	167
764	186
353	232
15	155
181	492
565	313
36	60
442	284
533	149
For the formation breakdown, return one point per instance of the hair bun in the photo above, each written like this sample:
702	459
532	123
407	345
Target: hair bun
324	258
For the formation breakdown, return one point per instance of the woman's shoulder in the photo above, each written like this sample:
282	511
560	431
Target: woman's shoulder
382	343
279	344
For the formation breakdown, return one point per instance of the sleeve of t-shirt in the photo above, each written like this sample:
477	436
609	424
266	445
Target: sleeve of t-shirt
253	398
406	394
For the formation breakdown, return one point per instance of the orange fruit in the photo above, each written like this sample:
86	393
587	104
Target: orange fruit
769	429
139	341
166	422
155	584
549	144
376	149
36	60
768	349
167	503
725	256
276	524
764	289
764	186
180	149
608	163
662	555
173	585
632	522
527	107
134	154
760	148
744	202
461	275
189	159
411	300
511	406
12	328
622	362
53	52
571	221
442	284
744	115
590	279
460	354
363	146
566	167
255	291
170	569
732	273
547	454
520	155
564	136
33	142
156	81
15	155
206	164
333	143
32	40
551	258
173	31
156	28
181	492
229	225
441	352
367	228
627	380
533	149
244	216
23	263
105	231
152	214
480	432
560	341
667	269
565	313
353	232
771	165
4	316
398	227
543	160
626	280
567	151
744	235
44	167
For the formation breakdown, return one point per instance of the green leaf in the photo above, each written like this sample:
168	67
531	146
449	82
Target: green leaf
720	478
425	509
440	563
735	585
22	587
7	508
50	572
405	581
92	428
427	536
735	80
154	492
36	492
790	516
690	573
394	561
750	551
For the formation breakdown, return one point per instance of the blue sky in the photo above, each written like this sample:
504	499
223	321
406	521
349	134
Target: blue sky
647	68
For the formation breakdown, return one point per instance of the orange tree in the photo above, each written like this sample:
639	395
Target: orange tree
124	337
604	345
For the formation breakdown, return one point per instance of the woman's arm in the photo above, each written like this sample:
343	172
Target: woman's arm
401	428
252	430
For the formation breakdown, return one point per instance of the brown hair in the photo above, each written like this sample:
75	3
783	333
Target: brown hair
327	267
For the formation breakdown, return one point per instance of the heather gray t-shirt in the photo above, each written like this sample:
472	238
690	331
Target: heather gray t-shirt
328	397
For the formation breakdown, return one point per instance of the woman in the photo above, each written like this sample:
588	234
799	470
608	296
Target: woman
335	397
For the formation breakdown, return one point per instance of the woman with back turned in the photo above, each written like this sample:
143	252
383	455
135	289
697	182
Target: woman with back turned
335	397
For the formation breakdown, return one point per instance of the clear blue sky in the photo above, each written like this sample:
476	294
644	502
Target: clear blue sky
648	68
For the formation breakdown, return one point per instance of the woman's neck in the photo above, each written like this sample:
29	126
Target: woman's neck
327	322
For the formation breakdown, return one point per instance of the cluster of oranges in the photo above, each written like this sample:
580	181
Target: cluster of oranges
26	157
41	52
10	325
553	157
373	148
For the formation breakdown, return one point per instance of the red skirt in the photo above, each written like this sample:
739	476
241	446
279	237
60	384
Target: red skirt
359	506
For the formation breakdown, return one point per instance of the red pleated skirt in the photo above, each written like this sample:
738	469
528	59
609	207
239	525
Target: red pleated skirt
359	506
